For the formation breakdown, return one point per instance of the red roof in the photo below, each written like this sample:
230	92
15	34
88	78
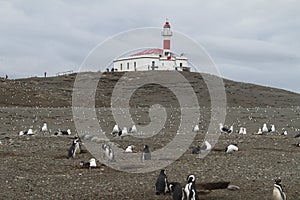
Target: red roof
149	51
167	25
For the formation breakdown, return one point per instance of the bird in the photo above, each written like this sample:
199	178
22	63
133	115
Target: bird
284	133
241	130
297	144
244	131
278	193
74	148
90	164
44	128
21	133
265	128
297	135
259	131
108	152
176	190
205	147
231	148
60	132
129	149
146	154
190	188
272	129
225	129
115	130
196	128
28	132
161	184
133	129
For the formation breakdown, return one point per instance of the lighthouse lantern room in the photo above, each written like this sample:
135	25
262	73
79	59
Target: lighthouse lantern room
154	59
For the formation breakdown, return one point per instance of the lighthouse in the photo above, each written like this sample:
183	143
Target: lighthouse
167	34
154	58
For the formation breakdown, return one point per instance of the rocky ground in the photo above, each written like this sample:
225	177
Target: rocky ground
36	167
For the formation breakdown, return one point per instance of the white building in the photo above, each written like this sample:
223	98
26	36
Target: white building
154	59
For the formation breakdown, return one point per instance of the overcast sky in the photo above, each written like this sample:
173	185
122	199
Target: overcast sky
254	41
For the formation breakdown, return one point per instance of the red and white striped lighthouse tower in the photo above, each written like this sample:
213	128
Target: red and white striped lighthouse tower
166	33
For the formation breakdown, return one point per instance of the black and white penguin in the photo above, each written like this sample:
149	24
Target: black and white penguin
115	130
190	188
146	154
74	148
176	190
60	132
278	193
224	129
108	152
161	184
133	129
231	148
90	164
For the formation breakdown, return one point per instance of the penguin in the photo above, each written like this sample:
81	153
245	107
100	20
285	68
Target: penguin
196	128
74	148
190	188
60	132
231	148
108	152
297	135
133	129
146	154
244	131
259	131
21	133
272	130
278	193
29	132
115	130
176	190
284	133
241	130
265	128
129	149
206	146
44	128
161	184
225	129
90	164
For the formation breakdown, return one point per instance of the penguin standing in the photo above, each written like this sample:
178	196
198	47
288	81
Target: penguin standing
190	188
146	154
176	190
231	148
74	148
161	184
44	128
278	193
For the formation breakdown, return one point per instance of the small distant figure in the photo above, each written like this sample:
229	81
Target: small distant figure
74	148
146	154
45	74
112	69
6	76
107	69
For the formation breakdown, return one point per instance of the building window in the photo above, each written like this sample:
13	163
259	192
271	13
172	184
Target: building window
127	65
121	67
134	65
